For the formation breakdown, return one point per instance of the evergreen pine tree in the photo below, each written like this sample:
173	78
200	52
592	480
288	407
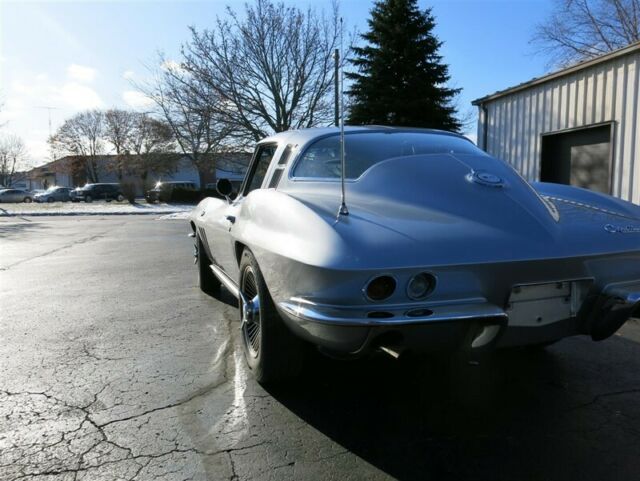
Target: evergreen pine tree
400	78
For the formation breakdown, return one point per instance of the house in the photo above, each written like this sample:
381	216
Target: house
70	171
578	126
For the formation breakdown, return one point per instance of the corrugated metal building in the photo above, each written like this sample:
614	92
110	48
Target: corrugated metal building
578	126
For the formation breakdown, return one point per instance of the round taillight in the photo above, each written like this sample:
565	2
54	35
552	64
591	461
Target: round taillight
421	285
380	288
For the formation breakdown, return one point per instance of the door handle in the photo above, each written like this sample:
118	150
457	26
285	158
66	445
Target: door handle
231	218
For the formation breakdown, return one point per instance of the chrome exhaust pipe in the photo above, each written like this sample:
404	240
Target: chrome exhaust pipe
393	351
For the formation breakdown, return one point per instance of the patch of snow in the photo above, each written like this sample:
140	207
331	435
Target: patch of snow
92	208
175	216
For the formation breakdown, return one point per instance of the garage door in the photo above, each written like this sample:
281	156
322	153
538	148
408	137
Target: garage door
580	157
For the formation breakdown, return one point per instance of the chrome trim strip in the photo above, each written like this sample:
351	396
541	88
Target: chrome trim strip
357	316
226	280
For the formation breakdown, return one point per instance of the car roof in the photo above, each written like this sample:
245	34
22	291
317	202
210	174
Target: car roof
303	136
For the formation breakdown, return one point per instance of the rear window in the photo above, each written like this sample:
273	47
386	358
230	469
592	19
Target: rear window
365	149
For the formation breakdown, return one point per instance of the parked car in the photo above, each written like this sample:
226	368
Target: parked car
53	194
91	192
437	247
173	191
15	195
73	194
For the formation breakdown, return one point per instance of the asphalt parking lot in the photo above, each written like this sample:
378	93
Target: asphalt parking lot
114	366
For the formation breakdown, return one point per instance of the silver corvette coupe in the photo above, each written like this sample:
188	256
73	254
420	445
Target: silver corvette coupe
438	247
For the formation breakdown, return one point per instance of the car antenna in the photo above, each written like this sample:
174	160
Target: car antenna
343	205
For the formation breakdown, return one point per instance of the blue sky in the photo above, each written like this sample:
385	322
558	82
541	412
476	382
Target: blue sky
75	55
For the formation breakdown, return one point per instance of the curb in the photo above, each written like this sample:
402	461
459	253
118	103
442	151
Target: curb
62	214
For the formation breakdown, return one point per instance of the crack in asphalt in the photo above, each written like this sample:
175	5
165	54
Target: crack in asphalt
600	396
100	449
80	464
202	392
57	249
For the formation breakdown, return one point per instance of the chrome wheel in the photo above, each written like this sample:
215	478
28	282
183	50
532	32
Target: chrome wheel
250	311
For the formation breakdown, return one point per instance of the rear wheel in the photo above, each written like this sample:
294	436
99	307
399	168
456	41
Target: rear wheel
120	198
27	200
88	198
271	350
50	199
207	281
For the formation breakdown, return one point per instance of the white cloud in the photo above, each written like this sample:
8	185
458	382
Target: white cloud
25	96
80	73
128	74
38	151
12	109
136	100
171	66
79	96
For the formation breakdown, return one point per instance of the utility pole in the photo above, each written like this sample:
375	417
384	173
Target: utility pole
336	87
49	109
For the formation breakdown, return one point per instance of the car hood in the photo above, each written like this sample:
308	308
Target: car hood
447	209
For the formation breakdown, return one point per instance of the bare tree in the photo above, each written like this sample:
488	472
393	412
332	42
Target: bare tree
581	29
2	124
153	144
271	66
13	154
190	110
82	136
118	127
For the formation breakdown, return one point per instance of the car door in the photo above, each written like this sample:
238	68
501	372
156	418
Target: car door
221	221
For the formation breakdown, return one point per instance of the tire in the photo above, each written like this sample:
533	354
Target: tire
88	198
50	200
120	198
272	352
28	200
207	281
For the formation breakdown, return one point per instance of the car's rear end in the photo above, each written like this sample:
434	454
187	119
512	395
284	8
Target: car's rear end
472	306
503	264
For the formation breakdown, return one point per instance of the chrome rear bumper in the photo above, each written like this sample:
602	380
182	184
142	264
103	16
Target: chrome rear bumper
389	315
360	329
472	323
615	305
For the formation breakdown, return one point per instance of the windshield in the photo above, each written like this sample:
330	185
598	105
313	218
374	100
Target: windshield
364	149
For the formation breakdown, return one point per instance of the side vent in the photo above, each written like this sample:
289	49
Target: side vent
282	163
275	178
203	236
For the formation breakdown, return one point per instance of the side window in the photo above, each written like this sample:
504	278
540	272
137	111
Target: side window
259	168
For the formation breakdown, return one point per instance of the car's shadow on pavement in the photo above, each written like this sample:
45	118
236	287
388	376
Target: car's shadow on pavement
514	415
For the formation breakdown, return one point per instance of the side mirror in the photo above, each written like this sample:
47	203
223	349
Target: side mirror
224	187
